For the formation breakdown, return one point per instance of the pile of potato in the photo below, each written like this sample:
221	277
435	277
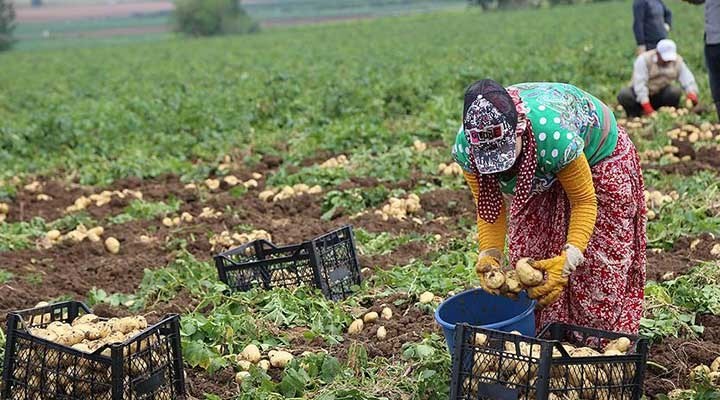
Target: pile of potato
77	235
101	199
87	333
400	208
226	240
675	112
4	211
230	180
655	199
511	282
692	133
371	317
515	367
288	192
450	169
336	162
175	221
251	355
634	123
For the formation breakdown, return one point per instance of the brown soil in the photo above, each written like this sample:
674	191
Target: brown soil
706	158
402	255
221	383
72	270
678	357
712	327
680	258
408	324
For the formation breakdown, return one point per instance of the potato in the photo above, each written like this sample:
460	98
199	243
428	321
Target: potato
241	376
279	359
168	222
700	373
480	339
112	245
386	313
212	184
621	344
71	337
231	180
494	278
426	297
370	317
53	235
512	281
82	347
714	378
4	208
250	183
86	319
58	327
266	195
485	363
244	365
381	333
715	366
90	331
138	366
264	364
528	275
129	324
251	353
44	334
356	327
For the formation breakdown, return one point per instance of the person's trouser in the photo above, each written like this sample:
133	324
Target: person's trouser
712	60
669	96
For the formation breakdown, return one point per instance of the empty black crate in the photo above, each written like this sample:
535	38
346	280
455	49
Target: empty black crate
495	365
146	366
328	262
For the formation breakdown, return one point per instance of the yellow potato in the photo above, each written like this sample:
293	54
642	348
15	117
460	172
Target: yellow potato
279	359
528	275
251	353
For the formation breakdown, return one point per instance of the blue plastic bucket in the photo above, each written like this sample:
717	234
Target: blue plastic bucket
478	308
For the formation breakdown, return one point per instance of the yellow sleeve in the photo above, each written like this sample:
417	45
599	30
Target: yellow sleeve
490	236
576	180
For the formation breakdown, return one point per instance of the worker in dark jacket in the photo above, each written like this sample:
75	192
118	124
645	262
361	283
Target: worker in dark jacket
652	22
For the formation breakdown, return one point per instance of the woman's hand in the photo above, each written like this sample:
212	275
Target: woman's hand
557	269
555	281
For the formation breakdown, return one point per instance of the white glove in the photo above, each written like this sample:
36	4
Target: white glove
574	257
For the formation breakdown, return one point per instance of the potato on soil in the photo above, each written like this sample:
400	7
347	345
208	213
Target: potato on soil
264	364
715	366
386	313
426	297
279	359
700	373
251	353
112	245
241	376
356	327
372	316
381	333
244	365
528	275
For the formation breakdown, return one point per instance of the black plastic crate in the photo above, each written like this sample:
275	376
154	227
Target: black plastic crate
494	365
328	262
147	366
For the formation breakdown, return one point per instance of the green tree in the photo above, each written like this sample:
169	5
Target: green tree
7	24
212	17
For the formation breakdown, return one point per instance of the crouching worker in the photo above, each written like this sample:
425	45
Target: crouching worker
654	72
551	171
